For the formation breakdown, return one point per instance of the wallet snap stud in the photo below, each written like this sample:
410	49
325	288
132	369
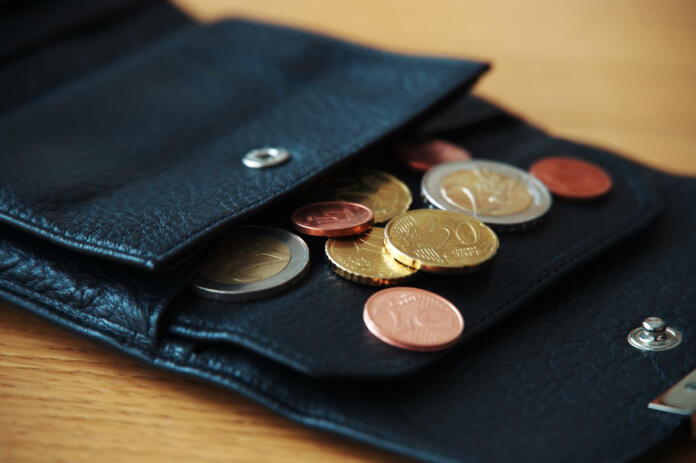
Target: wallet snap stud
265	157
654	335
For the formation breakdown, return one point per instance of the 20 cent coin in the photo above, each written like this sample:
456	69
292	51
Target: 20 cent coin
439	241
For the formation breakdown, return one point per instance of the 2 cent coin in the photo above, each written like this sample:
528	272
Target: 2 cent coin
572	178
413	319
333	219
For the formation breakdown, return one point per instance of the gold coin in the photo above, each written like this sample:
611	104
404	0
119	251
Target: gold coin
247	258
485	192
439	241
363	259
385	194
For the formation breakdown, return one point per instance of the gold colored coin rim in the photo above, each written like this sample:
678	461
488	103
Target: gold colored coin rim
363	278
314	195
403	187
409	261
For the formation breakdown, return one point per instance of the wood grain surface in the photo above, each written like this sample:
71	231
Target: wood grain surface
619	74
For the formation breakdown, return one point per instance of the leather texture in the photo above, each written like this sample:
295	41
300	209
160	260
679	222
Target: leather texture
544	372
118	146
571	234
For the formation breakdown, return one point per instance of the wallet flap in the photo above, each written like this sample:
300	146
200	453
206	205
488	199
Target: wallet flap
317	327
141	159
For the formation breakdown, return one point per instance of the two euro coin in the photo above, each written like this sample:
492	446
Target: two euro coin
498	194
252	263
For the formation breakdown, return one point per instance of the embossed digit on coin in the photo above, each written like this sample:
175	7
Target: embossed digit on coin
572	178
252	262
496	193
413	319
384	194
439	241
363	259
333	219
424	155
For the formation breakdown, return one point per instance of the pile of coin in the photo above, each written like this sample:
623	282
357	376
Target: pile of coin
469	199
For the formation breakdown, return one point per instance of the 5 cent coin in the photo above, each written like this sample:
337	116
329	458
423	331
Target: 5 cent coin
413	319
572	178
333	219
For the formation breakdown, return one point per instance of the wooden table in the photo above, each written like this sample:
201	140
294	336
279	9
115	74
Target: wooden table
619	74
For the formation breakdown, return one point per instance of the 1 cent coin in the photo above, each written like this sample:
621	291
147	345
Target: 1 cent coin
572	178
333	219
423	155
413	319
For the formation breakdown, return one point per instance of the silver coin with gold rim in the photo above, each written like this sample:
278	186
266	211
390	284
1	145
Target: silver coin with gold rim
440	241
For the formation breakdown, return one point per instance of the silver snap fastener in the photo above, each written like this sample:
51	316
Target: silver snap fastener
654	335
265	157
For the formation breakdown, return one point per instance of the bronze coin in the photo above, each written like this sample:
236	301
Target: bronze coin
572	178
333	219
422	156
413	319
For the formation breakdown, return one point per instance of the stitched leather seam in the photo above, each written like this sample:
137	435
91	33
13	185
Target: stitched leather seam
598	239
449	83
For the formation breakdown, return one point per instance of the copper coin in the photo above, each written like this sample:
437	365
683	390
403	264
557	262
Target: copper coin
333	219
572	178
421	156
413	319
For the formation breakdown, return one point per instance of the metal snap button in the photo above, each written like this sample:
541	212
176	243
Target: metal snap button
265	157
654	335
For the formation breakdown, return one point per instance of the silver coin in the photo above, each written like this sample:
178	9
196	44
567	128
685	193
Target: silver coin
498	194
253	262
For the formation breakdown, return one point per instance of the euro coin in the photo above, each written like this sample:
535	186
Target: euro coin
572	178
424	155
333	219
496	193
252	263
413	319
363	259
384	194
439	241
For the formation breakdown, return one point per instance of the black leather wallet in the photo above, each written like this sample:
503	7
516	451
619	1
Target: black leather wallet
121	164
